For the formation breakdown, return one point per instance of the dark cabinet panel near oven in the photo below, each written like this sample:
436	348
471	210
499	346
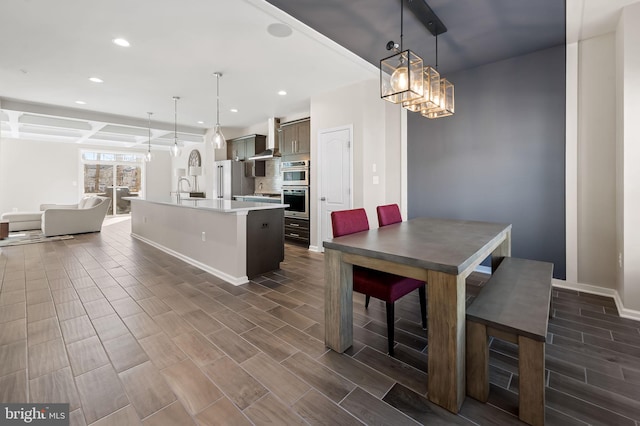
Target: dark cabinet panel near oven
296	230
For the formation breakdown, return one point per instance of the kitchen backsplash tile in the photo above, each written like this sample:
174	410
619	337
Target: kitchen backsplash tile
272	182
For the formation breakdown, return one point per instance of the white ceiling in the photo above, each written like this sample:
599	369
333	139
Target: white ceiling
49	49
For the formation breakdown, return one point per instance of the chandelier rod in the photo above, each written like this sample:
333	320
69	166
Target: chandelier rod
436	51
175	119
401	22
149	130
218	98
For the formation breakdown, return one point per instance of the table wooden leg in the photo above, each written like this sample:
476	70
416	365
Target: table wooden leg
500	252
477	361
338	301
531	370
446	324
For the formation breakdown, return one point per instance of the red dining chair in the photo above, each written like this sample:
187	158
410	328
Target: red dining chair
388	215
372	283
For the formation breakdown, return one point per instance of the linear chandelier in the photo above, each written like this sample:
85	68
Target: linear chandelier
405	80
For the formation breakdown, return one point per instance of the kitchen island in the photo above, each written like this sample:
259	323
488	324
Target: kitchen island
233	240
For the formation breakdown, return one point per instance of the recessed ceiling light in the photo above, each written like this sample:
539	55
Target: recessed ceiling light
81	102
200	122
233	110
121	42
96	80
279	30
282	92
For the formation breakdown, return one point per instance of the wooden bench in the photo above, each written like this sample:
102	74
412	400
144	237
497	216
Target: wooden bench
514	305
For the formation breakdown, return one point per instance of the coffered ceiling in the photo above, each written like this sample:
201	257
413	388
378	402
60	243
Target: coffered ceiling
50	49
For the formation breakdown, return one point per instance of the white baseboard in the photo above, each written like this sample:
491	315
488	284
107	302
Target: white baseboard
222	275
600	291
315	249
586	288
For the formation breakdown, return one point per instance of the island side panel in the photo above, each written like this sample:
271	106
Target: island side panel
265	241
222	250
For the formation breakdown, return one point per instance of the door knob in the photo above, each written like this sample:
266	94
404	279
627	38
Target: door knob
323	198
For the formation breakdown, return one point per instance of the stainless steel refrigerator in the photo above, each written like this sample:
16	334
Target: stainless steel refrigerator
230	179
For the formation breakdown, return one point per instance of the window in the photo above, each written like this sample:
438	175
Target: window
114	175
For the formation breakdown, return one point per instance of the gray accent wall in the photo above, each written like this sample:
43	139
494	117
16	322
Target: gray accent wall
501	157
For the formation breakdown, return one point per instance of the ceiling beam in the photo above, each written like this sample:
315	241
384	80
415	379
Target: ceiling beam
95	128
81	114
14	123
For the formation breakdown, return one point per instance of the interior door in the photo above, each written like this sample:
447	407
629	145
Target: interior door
335	176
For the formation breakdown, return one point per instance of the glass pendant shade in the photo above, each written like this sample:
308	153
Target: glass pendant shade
147	156
431	83
175	150
401	77
219	141
446	102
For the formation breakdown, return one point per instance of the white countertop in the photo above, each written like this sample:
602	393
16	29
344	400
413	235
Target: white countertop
218	205
258	198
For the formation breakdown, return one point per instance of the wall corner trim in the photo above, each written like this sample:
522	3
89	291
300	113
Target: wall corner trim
600	291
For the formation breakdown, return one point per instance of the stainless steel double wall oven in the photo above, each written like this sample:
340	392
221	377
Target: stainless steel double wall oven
295	188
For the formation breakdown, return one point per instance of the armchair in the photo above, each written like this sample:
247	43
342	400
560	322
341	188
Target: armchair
86	216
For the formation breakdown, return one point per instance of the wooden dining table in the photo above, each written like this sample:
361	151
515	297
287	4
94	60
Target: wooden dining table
441	252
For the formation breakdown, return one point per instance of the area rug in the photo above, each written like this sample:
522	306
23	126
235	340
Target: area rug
30	237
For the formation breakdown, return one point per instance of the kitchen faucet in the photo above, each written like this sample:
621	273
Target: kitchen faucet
178	187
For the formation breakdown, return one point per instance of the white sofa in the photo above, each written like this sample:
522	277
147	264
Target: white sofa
86	216
23	221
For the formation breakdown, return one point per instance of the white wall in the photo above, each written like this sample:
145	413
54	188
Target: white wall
629	132
376	140
33	173
158	175
182	162
597	251
608	206
36	172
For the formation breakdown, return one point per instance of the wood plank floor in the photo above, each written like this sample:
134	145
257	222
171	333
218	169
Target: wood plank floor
130	335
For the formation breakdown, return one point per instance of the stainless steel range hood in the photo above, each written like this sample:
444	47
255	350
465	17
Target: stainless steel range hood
272	141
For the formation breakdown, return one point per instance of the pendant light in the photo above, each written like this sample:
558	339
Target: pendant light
401	74
444	102
403	79
147	156
430	99
218	140
175	150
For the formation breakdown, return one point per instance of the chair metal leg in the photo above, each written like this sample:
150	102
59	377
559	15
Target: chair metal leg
423	306
366	301
390	318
